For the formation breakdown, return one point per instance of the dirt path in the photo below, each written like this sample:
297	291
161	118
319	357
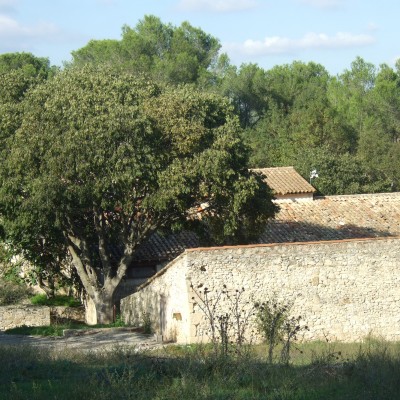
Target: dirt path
90	340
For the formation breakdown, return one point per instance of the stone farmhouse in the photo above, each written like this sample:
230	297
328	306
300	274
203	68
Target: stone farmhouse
336	258
287	184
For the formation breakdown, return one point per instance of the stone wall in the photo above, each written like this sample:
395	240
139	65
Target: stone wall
19	315
165	298
343	289
14	316
71	313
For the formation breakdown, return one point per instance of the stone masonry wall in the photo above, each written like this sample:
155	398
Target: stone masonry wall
343	289
164	297
14	316
71	313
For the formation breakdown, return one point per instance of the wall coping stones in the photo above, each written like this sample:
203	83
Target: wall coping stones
247	246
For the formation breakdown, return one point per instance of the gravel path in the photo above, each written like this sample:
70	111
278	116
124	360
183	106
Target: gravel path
89	340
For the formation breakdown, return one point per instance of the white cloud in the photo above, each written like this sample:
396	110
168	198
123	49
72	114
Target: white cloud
323	3
310	41
8	6
15	36
10	29
221	6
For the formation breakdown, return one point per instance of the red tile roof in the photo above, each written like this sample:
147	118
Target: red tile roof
165	248
324	218
285	180
335	218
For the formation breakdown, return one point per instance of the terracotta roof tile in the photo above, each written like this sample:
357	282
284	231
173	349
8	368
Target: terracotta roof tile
324	218
285	180
165	248
160	248
335	218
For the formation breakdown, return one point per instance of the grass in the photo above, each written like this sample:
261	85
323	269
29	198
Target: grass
57	329
67	301
367	371
48	330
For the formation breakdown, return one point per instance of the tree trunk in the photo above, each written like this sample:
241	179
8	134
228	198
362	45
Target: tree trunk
100	309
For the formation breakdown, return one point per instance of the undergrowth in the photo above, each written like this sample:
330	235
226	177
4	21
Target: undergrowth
13	292
370	370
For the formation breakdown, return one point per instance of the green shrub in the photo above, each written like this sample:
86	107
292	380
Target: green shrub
276	326
67	301
13	293
271	318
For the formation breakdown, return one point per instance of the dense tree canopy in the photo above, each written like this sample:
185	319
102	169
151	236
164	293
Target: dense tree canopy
20	72
246	88
162	51
103	158
28	64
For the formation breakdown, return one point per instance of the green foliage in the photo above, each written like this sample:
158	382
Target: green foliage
12	292
339	173
58	300
9	268
247	90
347	127
271	319
276	326
57	329
27	63
19	73
161	51
289	112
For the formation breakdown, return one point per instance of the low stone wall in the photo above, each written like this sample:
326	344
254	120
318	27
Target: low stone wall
71	313
19	315
343	289
15	316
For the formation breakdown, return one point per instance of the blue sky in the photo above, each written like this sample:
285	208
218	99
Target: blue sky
267	32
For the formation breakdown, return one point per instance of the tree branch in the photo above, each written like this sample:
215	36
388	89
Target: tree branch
99	220
88	282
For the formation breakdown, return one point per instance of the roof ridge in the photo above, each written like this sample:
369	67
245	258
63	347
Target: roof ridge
357	195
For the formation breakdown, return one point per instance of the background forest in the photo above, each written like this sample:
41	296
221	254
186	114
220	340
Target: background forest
345	126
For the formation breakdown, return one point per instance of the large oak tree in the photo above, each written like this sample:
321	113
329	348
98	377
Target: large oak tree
103	159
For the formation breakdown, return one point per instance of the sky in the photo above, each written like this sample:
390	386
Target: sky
265	32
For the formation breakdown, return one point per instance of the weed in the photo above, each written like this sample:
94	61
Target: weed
228	318
147	324
277	327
